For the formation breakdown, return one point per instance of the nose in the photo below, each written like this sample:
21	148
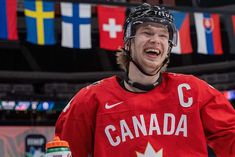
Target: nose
154	39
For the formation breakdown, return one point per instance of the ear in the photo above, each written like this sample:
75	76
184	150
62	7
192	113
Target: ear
127	45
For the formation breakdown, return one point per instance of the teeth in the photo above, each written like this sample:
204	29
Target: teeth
153	50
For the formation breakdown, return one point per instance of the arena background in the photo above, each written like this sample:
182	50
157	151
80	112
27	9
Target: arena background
36	82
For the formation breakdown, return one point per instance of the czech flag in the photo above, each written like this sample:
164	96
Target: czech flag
208	33
8	22
182	22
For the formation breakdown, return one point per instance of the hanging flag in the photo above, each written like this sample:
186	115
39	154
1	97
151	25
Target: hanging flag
40	21
233	20
208	33
182	22
76	25
8	22
111	22
230	27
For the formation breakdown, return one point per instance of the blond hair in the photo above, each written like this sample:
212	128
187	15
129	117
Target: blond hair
122	59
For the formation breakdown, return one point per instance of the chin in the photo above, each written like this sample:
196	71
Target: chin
152	68
153	65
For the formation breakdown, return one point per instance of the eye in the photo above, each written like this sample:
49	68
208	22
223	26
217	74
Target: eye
148	33
163	36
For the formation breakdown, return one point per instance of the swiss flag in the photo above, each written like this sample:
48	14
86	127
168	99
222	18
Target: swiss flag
111	22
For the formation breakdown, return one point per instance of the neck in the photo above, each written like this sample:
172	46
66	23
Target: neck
137	76
136	81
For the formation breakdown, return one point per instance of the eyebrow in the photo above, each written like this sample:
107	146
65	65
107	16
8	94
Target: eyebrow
149	28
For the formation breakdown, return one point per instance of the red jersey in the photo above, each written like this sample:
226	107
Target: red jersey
178	118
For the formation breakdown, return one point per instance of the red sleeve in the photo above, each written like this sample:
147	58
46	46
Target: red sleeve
76	124
218	119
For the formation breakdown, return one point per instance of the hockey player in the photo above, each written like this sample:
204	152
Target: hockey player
149	113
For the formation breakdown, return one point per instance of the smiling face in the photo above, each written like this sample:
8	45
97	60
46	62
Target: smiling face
150	46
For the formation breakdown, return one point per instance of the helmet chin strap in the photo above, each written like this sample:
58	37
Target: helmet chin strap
138	85
139	67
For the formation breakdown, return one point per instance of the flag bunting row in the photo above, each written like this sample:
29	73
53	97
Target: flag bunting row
76	23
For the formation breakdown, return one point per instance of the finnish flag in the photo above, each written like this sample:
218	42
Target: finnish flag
76	25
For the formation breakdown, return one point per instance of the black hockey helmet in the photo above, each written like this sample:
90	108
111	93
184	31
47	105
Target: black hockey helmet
148	13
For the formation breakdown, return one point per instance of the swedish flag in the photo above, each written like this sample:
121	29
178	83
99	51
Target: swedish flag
40	21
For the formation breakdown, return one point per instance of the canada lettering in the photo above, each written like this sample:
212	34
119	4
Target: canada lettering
171	126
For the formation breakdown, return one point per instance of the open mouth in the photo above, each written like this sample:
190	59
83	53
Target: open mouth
152	52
